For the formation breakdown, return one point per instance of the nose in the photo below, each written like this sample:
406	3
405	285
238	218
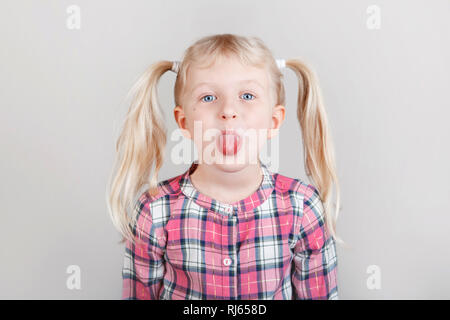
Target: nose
228	116
228	112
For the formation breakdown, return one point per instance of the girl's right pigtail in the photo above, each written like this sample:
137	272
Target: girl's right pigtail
317	143
139	151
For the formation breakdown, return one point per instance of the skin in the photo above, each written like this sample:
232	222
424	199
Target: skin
222	104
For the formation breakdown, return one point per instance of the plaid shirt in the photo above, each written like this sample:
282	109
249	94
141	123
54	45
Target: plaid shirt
273	244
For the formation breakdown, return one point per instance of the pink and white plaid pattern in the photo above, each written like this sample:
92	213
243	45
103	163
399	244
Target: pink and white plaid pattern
273	244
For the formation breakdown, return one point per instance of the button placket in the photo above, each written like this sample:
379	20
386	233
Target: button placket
234	255
229	257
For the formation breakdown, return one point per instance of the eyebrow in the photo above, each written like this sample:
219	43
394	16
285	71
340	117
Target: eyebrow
240	82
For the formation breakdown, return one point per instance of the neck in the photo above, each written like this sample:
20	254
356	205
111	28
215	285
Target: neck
227	186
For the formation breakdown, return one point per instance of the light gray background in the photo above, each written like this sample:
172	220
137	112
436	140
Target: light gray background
386	92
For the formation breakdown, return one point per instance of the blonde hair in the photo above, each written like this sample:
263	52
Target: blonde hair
141	144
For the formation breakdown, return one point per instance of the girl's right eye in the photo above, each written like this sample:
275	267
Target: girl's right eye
209	95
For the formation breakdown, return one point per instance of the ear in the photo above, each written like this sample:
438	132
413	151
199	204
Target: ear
278	114
180	119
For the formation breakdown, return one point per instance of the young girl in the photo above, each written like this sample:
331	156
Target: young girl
234	229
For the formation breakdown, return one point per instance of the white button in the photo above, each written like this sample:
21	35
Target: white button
227	261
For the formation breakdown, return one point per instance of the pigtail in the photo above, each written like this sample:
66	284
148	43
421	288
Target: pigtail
318	148
140	147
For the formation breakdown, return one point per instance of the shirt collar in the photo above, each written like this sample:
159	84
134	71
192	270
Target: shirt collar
240	207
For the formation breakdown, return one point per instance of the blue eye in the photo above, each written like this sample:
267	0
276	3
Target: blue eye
248	94
209	95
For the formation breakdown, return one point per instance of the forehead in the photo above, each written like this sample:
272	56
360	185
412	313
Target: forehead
226	71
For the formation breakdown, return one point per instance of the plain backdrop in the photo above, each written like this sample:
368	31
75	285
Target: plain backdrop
386	92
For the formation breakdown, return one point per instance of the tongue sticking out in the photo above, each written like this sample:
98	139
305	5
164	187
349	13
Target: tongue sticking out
229	144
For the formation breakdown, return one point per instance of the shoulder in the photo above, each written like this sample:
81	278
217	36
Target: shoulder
154	209
165	189
302	195
295	186
308	203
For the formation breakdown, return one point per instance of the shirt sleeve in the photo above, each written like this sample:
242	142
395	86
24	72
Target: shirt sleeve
315	259
143	266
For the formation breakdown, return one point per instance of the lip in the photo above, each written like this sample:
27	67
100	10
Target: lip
238	142
229	131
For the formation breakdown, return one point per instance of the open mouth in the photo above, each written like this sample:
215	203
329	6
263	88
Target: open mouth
229	142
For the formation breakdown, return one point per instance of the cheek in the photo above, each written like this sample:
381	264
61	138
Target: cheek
199	120
202	117
259	120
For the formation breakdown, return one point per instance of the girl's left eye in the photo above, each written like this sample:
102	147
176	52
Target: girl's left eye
248	94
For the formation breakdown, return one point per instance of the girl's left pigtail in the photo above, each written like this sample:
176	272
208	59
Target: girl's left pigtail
318	148
140	150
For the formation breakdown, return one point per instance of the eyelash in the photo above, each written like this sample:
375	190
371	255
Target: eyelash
254	97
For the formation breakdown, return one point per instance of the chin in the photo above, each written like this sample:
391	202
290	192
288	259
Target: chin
231	167
234	163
